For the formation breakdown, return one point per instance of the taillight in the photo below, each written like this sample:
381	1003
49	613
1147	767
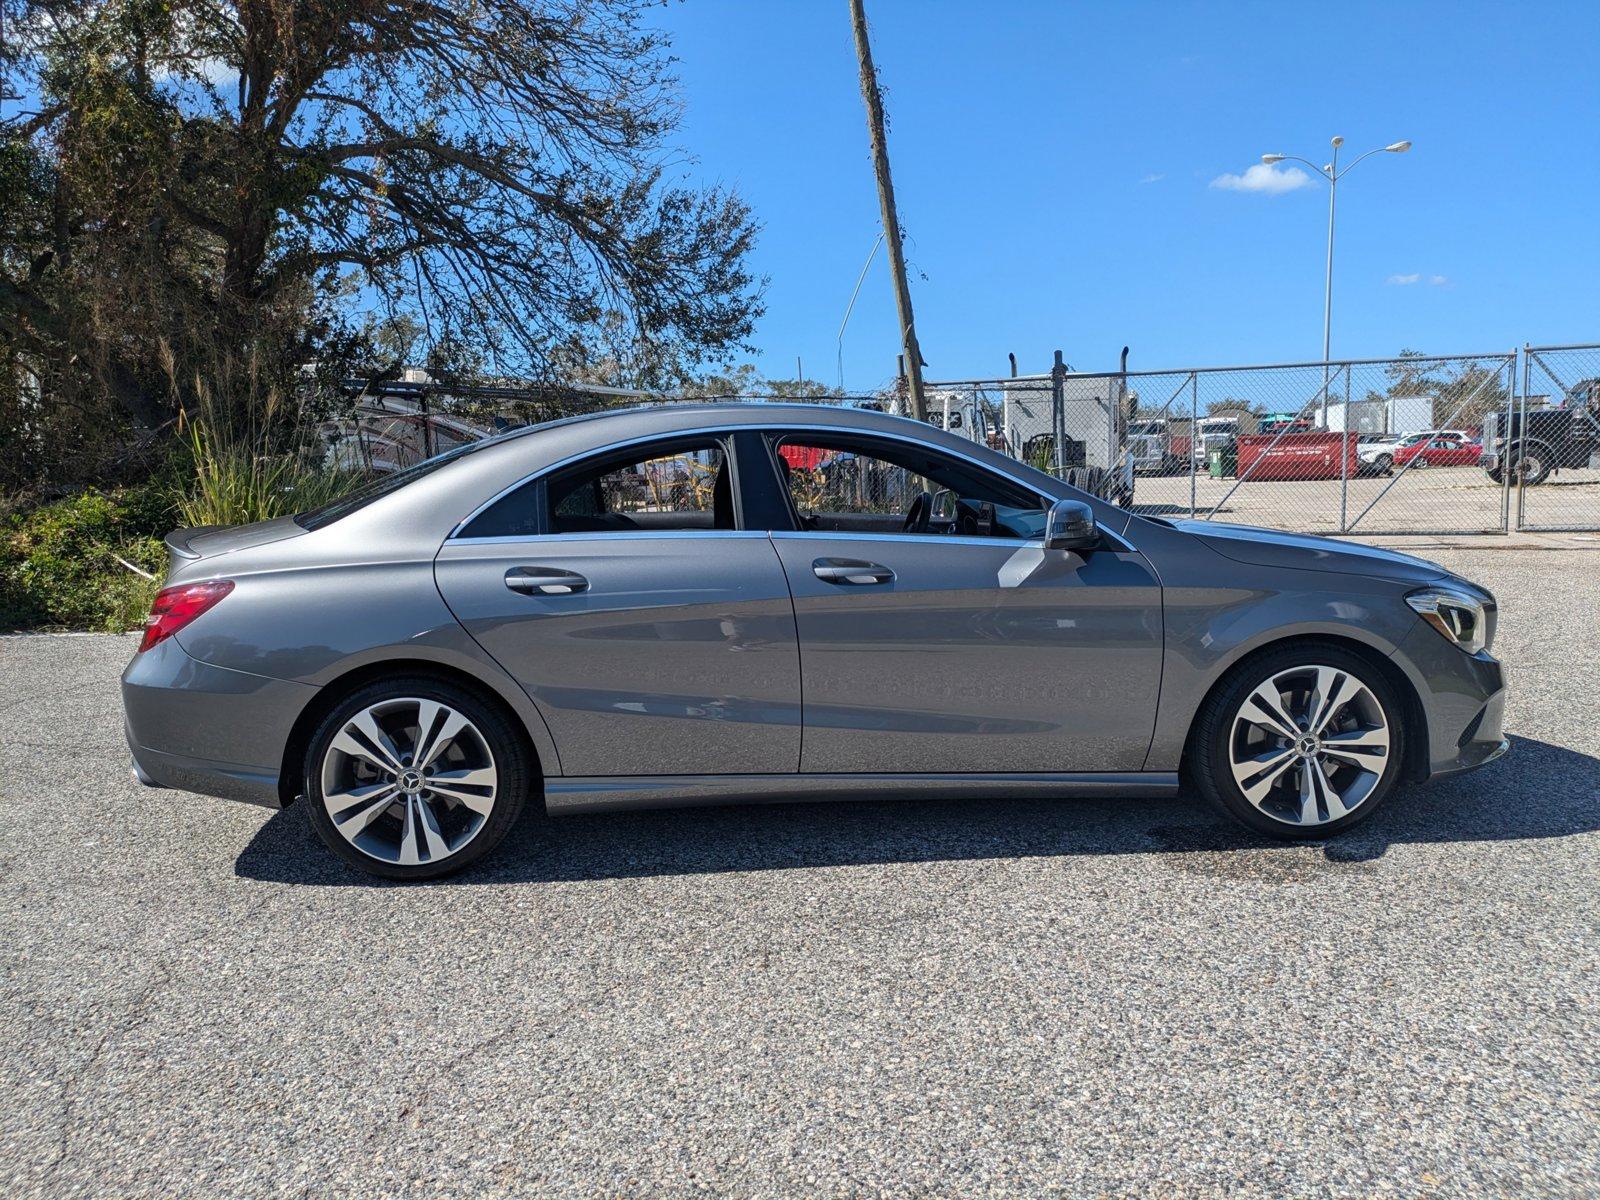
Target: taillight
176	606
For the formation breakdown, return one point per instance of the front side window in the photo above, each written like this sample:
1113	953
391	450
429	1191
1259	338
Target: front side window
867	486
674	486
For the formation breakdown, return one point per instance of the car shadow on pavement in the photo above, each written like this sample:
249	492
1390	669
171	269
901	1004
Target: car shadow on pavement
1539	790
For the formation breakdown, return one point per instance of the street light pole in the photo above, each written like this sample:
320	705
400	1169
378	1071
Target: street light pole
1331	172
1327	286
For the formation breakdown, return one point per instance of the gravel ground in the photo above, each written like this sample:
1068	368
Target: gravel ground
1075	998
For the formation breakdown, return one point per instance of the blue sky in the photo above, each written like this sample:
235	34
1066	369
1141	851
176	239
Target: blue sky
1055	162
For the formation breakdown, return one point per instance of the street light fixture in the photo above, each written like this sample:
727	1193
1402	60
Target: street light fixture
1331	172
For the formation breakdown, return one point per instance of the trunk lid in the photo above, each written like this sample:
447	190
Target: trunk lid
185	546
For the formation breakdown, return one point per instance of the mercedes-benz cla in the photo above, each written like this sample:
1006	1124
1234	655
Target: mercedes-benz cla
721	604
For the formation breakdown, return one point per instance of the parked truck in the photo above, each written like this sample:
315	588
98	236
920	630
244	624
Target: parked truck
1391	416
1156	448
1534	443
1095	428
1170	445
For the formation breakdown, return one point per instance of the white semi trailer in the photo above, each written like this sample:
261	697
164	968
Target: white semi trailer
1394	416
1092	453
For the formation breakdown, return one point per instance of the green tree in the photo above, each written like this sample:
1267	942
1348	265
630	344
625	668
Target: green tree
1230	406
212	189
1463	391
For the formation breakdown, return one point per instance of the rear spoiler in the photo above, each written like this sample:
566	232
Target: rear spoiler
178	540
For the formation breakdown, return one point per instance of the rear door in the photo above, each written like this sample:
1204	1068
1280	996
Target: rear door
655	633
959	645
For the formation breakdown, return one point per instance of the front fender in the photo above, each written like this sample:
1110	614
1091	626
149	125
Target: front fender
1210	628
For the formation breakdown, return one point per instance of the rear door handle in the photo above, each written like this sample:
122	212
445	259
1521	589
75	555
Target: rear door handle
850	571
545	581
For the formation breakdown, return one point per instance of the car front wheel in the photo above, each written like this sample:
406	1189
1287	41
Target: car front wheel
415	778
1299	744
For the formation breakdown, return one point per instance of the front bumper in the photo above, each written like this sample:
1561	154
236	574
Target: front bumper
1463	700
208	729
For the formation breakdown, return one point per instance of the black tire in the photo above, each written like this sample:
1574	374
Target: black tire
1384	463
505	741
1494	474
1533	465
1208	761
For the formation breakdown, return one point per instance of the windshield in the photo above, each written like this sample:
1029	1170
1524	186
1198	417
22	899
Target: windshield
1413	438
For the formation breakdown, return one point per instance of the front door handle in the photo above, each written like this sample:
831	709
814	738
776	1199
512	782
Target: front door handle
850	571
545	581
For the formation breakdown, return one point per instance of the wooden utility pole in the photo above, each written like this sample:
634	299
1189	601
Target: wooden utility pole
891	219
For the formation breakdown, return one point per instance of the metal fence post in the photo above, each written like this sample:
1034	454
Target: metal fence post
1513	406
427	424
1344	450
1058	411
1194	435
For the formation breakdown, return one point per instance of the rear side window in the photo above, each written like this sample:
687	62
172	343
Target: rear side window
382	486
684	485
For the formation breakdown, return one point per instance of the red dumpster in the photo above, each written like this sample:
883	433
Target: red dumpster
804	458
1297	455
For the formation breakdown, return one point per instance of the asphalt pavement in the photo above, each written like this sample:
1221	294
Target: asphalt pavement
1018	998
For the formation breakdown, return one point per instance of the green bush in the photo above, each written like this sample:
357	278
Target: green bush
234	485
58	563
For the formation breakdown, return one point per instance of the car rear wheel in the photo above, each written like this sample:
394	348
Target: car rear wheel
415	778
1300	744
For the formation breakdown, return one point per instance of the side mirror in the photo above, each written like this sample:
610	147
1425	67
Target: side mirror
1070	525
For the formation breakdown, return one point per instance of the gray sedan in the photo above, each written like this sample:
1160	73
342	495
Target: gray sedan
721	604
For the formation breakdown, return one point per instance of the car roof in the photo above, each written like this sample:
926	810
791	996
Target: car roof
595	431
433	505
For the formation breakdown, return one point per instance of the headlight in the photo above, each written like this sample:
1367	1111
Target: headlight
1464	619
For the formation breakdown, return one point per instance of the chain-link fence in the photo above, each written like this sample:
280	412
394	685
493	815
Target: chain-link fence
1361	446
1552	445
1414	444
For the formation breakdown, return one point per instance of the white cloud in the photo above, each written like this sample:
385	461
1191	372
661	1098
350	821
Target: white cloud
1404	280
1152	178
1272	180
1438	280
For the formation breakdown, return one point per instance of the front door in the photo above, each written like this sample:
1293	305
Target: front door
937	635
655	635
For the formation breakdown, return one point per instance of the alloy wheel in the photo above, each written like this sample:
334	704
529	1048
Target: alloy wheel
1309	745
409	781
